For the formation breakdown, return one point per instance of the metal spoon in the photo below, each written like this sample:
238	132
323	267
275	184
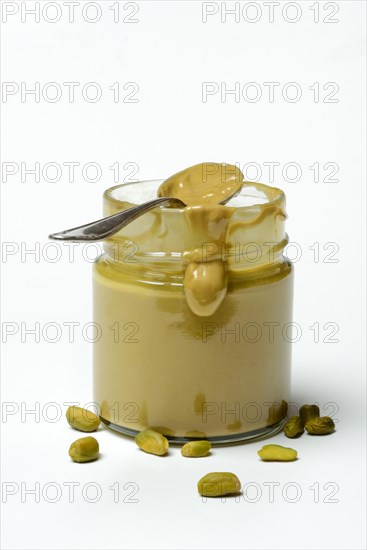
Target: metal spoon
101	229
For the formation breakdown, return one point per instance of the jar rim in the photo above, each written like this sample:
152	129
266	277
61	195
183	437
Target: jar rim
164	234
274	195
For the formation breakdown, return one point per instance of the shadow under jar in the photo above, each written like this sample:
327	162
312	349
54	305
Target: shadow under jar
158	364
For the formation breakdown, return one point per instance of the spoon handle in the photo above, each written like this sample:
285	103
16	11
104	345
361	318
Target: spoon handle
101	229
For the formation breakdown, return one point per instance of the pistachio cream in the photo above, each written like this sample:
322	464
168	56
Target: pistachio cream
204	183
202	187
194	306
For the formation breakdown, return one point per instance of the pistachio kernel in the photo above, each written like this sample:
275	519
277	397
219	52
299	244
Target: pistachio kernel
152	442
217	484
85	449
323	425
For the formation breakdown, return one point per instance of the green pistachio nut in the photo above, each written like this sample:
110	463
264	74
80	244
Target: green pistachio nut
294	427
277	453
152	442
217	484
195	449
82	419
320	426
85	449
308	412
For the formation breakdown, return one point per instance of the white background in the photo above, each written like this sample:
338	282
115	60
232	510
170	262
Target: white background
169	53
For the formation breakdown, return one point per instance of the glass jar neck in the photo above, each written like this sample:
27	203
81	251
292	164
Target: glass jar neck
198	247
238	256
250	226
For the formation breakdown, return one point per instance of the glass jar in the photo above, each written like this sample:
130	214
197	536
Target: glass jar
157	364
